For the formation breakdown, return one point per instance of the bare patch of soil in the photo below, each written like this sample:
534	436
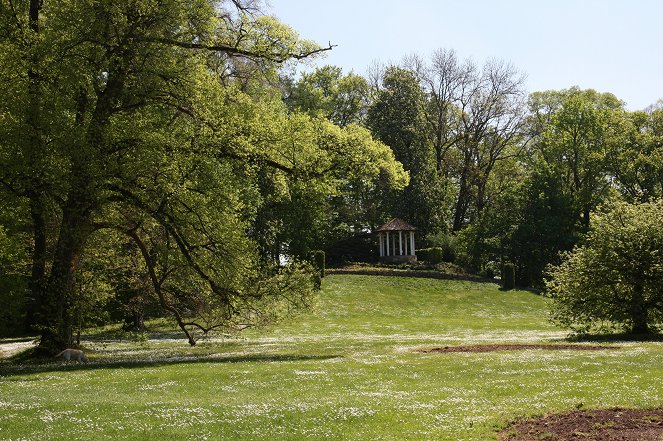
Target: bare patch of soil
518	347
590	425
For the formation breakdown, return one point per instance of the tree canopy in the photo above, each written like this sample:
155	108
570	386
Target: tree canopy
154	122
164	152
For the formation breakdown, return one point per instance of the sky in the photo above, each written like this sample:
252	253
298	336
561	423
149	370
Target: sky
608	45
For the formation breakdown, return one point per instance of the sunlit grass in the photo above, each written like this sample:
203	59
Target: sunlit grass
347	370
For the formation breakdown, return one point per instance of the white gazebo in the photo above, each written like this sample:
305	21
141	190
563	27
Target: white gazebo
396	241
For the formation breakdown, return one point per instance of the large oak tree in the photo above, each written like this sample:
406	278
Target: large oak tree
151	120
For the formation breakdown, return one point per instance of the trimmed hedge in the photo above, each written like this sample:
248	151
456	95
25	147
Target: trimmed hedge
318	260
431	255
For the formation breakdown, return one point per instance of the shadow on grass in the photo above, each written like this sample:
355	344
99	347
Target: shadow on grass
534	291
23	364
616	338
120	335
425	274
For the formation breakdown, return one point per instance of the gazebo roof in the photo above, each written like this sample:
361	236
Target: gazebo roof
396	225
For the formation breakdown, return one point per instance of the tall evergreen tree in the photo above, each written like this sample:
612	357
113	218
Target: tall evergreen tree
397	118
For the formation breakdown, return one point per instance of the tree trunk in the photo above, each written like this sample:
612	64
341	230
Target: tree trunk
464	189
139	322
461	203
57	317
639	312
481	196
586	213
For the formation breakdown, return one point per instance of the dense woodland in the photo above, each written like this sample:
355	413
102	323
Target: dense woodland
164	156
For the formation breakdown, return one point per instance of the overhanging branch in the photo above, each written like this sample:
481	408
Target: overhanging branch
234	50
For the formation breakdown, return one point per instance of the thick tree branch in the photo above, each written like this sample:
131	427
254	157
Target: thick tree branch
234	50
157	283
166	220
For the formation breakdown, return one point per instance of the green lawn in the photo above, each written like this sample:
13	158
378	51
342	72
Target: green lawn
348	370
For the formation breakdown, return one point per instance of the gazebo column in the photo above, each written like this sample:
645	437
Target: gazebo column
387	243
400	243
412	243
381	239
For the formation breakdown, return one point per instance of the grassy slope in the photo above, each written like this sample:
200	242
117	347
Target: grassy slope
347	371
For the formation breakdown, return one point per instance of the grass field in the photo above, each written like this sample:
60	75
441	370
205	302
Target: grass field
347	370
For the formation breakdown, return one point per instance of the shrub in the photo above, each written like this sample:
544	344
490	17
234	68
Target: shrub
614	279
447	243
491	269
318	262
431	255
358	248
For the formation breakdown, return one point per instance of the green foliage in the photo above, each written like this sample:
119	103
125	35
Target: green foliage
272	298
637	162
546	225
13	281
544	208
430	255
445	241
353	248
529	224
13	297
509	276
348	203
397	118
301	214
326	92
161	126
614	278
8	248
577	132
